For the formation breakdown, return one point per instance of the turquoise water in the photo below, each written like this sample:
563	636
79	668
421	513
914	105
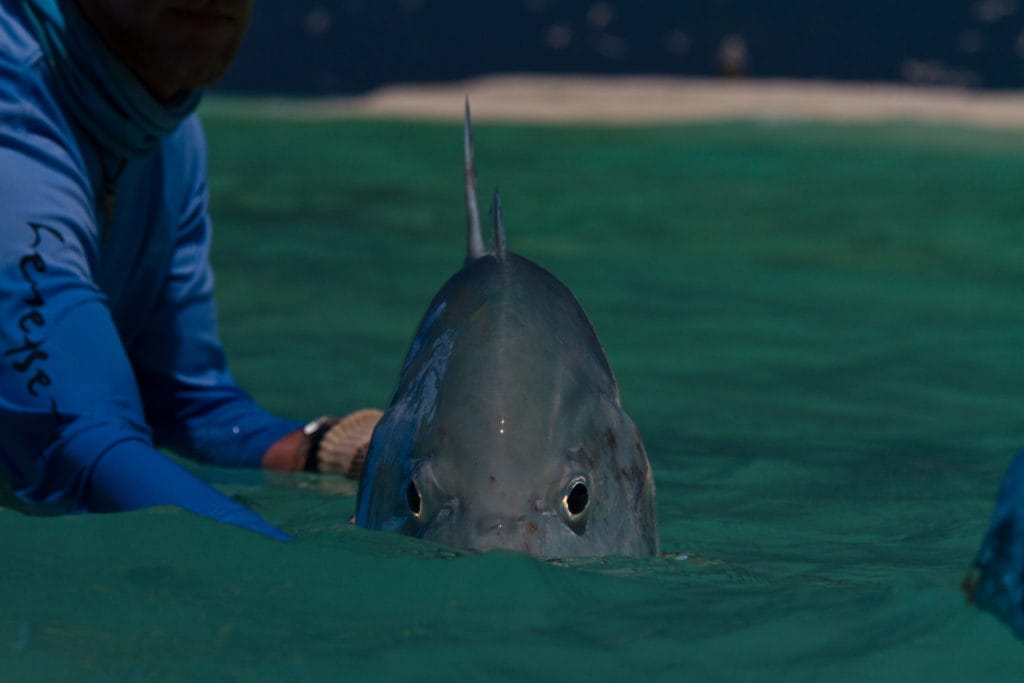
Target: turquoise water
817	328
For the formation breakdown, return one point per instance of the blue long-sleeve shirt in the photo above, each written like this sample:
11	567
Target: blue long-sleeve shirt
108	339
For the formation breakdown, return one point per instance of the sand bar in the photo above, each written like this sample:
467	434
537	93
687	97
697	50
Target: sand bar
644	100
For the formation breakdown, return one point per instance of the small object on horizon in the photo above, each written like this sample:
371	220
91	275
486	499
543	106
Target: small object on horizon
733	56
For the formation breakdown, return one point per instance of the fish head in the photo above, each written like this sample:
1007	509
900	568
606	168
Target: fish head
507	431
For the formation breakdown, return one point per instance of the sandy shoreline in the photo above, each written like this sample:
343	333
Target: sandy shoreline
636	100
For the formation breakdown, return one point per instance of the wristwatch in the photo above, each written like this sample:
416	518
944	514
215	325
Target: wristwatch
314	432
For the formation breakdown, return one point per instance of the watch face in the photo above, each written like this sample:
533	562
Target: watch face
312	427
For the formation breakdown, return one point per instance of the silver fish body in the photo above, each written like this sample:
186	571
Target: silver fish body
506	429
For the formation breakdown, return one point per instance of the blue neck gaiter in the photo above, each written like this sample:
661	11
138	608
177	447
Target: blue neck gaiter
101	93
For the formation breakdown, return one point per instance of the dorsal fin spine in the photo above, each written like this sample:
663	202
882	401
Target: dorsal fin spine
474	239
498	225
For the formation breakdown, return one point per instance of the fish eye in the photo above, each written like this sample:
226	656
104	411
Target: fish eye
414	499
576	499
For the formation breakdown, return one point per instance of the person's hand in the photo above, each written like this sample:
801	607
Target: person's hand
339	445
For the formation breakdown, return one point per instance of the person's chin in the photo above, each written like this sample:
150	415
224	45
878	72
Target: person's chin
192	64
205	33
201	19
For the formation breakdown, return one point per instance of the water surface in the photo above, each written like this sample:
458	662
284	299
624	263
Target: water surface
817	328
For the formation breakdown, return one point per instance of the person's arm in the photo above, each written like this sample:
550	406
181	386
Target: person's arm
191	399
72	430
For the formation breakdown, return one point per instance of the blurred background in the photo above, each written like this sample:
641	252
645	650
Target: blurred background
350	46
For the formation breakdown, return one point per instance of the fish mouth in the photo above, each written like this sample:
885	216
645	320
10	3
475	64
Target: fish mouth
508	535
494	533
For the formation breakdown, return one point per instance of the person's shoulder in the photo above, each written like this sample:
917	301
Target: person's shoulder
15	37
41	165
19	49
30	114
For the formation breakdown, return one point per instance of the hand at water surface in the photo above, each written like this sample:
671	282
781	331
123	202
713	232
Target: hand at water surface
329	444
343	443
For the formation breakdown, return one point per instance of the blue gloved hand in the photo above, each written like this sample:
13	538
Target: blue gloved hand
996	582
133	478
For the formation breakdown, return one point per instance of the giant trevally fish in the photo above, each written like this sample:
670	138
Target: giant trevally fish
506	429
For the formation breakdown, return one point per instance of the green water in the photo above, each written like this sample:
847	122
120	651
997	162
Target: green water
817	328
